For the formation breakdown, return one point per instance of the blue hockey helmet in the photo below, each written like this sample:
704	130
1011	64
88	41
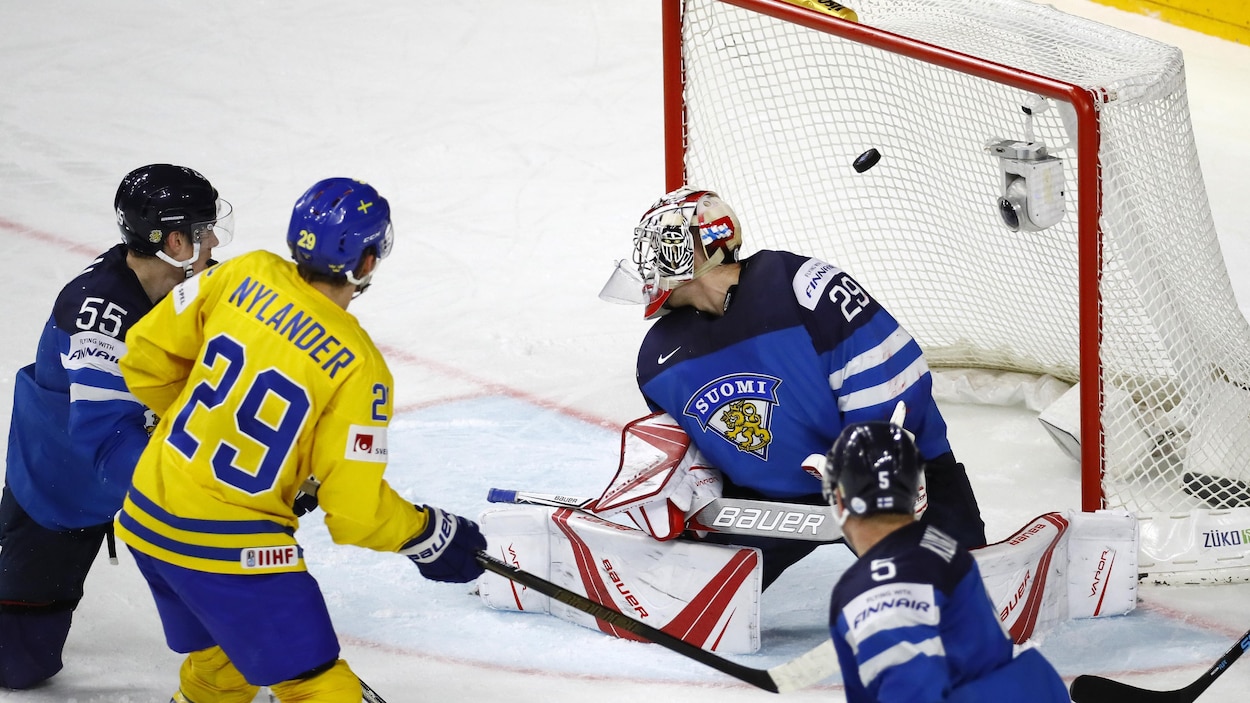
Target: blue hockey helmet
157	199
877	469
335	223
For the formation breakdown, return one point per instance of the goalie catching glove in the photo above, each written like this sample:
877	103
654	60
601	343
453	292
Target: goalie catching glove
446	550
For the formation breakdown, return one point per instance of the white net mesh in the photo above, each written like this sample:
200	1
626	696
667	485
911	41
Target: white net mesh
776	113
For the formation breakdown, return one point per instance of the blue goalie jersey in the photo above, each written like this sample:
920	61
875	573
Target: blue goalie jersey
801	351
76	432
912	623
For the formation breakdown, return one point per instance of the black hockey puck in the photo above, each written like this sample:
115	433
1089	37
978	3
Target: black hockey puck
866	160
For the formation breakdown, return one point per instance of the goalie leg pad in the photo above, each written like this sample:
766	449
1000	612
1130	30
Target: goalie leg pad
519	536
776	555
1103	551
706	594
1061	566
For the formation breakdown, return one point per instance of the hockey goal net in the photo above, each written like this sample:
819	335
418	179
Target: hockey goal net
1125	296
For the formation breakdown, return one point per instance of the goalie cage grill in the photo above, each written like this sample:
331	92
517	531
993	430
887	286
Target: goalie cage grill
769	103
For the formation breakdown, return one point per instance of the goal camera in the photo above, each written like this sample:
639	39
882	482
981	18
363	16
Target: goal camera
1032	196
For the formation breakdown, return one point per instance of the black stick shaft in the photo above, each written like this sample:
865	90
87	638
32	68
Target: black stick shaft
756	677
1096	689
368	694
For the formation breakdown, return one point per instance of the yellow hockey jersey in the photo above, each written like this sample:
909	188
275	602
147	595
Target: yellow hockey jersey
259	380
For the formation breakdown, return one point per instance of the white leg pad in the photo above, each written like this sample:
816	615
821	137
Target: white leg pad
706	594
1061	566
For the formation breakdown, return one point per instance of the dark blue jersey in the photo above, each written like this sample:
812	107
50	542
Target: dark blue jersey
801	351
77	433
912	623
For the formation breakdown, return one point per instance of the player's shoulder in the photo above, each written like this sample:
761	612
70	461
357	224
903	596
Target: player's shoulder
258	264
374	360
253	277
915	554
235	280
808	277
103	276
106	295
269	289
773	263
811	279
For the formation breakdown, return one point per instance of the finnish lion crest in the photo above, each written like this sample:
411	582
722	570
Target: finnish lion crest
744	426
738	408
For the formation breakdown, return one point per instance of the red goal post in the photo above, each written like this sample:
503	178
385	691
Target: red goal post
1125	297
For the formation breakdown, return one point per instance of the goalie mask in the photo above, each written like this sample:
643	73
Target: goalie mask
665	243
876	468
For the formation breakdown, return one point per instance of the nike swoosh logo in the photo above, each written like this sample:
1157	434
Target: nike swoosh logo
665	357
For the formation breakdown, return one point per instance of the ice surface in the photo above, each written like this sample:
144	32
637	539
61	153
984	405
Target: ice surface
517	143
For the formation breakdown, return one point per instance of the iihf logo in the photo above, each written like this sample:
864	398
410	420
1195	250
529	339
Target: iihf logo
739	408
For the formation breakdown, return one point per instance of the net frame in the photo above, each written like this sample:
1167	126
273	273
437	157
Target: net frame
1088	102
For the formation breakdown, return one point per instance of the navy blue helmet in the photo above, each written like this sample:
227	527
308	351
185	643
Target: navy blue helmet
157	199
876	467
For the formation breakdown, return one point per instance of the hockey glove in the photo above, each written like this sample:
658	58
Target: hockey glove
446	550
304	503
306	499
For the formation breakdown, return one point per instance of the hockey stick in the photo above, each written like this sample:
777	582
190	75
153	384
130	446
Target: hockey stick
1217	491
800	672
735	516
1096	689
368	694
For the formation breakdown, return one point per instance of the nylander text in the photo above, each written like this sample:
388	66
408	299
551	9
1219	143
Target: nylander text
294	325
